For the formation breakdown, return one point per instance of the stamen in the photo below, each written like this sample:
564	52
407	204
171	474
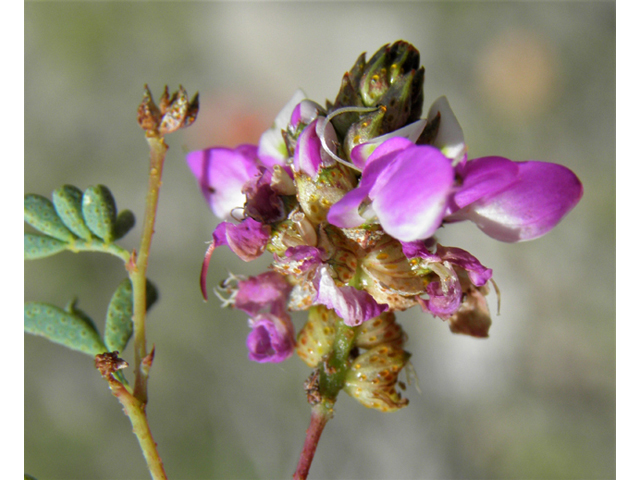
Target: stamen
331	116
233	215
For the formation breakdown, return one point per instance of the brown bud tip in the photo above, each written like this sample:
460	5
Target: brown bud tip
175	112
148	113
109	362
178	113
165	100
192	111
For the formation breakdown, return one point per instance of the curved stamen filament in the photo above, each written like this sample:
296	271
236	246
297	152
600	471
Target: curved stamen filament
331	116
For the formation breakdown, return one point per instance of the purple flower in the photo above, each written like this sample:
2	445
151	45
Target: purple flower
306	263
410	191
309	154
404	187
265	293
271	147
272	338
263	203
514	201
352	305
222	173
247	239
449	264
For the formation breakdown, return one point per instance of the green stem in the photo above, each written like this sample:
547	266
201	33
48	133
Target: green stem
135	410
335	368
138	273
331	380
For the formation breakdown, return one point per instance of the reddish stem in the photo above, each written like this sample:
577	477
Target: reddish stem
320	415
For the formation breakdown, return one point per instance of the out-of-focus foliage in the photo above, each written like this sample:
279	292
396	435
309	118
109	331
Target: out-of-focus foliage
526	80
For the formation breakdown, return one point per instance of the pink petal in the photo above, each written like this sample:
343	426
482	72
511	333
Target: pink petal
221	174
352	305
272	338
529	207
265	293
247	240
411	194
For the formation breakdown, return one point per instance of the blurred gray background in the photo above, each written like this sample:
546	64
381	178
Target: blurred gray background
526	80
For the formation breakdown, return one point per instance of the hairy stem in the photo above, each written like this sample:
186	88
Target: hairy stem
135	410
138	273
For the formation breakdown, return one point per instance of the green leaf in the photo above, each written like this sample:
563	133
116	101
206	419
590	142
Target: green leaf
99	212
119	325
66	328
67	201
29	477
40	246
41	215
125	222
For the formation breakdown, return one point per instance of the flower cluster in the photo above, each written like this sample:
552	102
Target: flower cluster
347	198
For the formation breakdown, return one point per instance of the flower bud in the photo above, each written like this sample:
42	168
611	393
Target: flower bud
392	78
372	378
368	127
348	97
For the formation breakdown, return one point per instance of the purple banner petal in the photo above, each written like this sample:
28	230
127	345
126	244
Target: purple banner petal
411	194
221	173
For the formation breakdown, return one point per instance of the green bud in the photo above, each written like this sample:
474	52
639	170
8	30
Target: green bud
368	127
391	78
